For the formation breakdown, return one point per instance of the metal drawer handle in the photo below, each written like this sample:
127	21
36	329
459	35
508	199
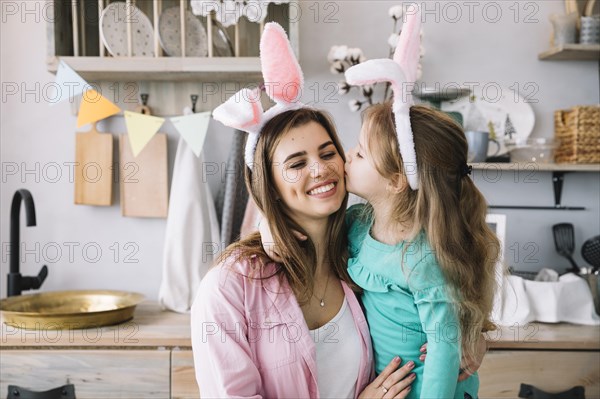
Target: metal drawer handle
64	392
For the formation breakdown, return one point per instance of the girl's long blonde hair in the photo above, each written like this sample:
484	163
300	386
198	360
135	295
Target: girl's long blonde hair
299	258
447	206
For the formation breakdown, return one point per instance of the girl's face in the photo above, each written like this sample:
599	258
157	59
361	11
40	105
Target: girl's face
309	173
362	178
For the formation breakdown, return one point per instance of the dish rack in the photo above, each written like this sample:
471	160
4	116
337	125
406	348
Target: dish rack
75	36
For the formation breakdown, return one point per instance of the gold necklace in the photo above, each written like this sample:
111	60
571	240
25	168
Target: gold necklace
322	302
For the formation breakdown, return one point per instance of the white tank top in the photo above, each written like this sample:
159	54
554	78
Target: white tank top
338	355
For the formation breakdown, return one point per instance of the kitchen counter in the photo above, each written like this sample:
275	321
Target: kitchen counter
154	350
150	327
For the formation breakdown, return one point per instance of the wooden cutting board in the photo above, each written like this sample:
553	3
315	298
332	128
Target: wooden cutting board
93	168
144	179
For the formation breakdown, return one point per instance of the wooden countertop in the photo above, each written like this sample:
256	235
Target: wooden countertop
543	336
152	327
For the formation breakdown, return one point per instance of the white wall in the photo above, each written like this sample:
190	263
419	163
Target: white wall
35	135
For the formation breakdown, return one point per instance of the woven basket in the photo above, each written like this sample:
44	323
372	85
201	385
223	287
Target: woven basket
578	130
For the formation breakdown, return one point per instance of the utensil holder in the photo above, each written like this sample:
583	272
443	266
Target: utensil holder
592	280
590	30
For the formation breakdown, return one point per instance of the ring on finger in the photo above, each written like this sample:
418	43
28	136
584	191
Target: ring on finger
385	390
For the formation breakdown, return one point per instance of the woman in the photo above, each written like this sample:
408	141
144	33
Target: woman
294	328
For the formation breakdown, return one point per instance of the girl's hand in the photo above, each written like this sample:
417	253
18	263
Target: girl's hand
468	366
393	382
268	242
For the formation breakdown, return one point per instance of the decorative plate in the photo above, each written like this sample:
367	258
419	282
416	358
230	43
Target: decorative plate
113	31
510	115
169	25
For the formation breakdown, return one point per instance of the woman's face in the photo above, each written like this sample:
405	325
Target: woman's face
362	178
309	173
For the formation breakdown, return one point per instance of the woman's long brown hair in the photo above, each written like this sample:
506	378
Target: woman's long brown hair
299	258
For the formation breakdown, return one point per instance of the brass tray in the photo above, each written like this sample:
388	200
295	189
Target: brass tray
67	310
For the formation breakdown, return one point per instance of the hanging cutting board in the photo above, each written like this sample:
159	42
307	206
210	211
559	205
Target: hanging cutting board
144	179
93	168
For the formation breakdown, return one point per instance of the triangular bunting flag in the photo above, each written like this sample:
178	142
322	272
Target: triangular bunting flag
141	128
95	107
68	84
193	129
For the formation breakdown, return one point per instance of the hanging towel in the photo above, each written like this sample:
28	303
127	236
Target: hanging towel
233	195
192	233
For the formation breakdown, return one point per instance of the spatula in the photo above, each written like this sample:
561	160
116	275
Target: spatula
590	251
564	240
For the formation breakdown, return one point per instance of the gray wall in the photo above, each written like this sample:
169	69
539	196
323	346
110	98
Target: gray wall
38	138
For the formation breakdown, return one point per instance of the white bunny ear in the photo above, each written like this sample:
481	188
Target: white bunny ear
408	50
282	74
380	70
401	72
242	111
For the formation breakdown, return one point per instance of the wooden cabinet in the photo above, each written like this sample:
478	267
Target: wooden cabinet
551	357
151	357
147	357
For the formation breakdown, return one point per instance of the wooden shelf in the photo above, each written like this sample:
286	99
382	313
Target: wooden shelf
532	166
581	52
198	69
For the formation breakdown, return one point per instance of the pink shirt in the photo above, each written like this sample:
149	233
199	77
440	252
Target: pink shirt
250	338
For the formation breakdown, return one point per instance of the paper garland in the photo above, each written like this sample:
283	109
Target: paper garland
68	84
140	128
193	129
94	107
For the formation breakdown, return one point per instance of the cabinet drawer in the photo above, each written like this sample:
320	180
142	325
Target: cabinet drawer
96	374
183	376
502	372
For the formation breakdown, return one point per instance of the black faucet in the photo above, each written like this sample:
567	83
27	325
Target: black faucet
16	282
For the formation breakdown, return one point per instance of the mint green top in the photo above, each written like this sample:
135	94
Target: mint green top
407	305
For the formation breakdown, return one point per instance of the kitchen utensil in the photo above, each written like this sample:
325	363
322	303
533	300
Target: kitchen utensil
589	8
93	168
169	26
564	241
58	310
478	146
113	31
506	110
144	179
590	251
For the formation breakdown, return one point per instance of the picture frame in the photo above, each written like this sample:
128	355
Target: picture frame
497	222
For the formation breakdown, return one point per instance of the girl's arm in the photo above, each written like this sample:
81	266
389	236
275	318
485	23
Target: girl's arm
442	329
222	356
469	365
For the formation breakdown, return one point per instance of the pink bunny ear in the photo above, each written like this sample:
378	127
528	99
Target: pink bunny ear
242	111
283	77
408	50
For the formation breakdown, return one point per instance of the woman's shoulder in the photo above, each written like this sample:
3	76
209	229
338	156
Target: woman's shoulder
235	273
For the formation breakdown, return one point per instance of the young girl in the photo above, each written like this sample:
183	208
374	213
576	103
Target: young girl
421	249
424	258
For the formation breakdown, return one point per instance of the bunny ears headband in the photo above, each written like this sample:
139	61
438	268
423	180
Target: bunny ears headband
283	83
401	72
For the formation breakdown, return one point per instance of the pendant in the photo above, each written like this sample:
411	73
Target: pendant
322	303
